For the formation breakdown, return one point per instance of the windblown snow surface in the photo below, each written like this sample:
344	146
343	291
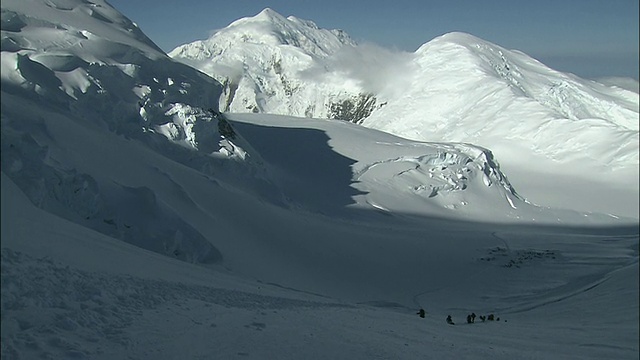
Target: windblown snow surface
139	222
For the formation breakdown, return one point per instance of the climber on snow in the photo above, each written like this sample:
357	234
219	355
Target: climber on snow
449	321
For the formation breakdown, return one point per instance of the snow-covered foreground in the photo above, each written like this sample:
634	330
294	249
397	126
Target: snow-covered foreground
560	293
69	292
139	223
308	274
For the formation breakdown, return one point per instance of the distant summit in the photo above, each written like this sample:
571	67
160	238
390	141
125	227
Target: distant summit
264	62
267	14
271	29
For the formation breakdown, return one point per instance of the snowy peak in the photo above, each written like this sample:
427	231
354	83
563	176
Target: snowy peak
562	95
264	63
467	89
267	15
271	29
454	37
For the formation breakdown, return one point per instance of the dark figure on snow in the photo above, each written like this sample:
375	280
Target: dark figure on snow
490	318
468	319
449	321
421	313
473	317
483	318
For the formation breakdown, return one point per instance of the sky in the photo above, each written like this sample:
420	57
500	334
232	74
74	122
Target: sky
590	38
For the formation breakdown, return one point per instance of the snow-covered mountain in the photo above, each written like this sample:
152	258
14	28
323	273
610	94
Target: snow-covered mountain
97	69
138	221
266	64
535	119
454	88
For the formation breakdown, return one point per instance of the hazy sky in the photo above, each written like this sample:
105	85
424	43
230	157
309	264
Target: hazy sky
590	38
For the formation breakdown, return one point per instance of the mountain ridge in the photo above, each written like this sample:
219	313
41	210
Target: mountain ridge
456	87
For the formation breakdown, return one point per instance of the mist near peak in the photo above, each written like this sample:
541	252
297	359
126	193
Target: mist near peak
625	83
374	68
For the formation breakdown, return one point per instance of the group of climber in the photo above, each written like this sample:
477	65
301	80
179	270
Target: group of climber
471	318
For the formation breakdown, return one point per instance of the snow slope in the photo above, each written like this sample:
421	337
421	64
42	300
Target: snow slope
456	87
74	293
138	223
87	62
88	57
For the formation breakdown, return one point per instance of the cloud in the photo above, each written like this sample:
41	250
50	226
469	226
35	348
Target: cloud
626	83
232	70
376	69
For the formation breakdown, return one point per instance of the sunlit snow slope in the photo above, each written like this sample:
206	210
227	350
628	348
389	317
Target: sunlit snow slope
138	221
564	141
